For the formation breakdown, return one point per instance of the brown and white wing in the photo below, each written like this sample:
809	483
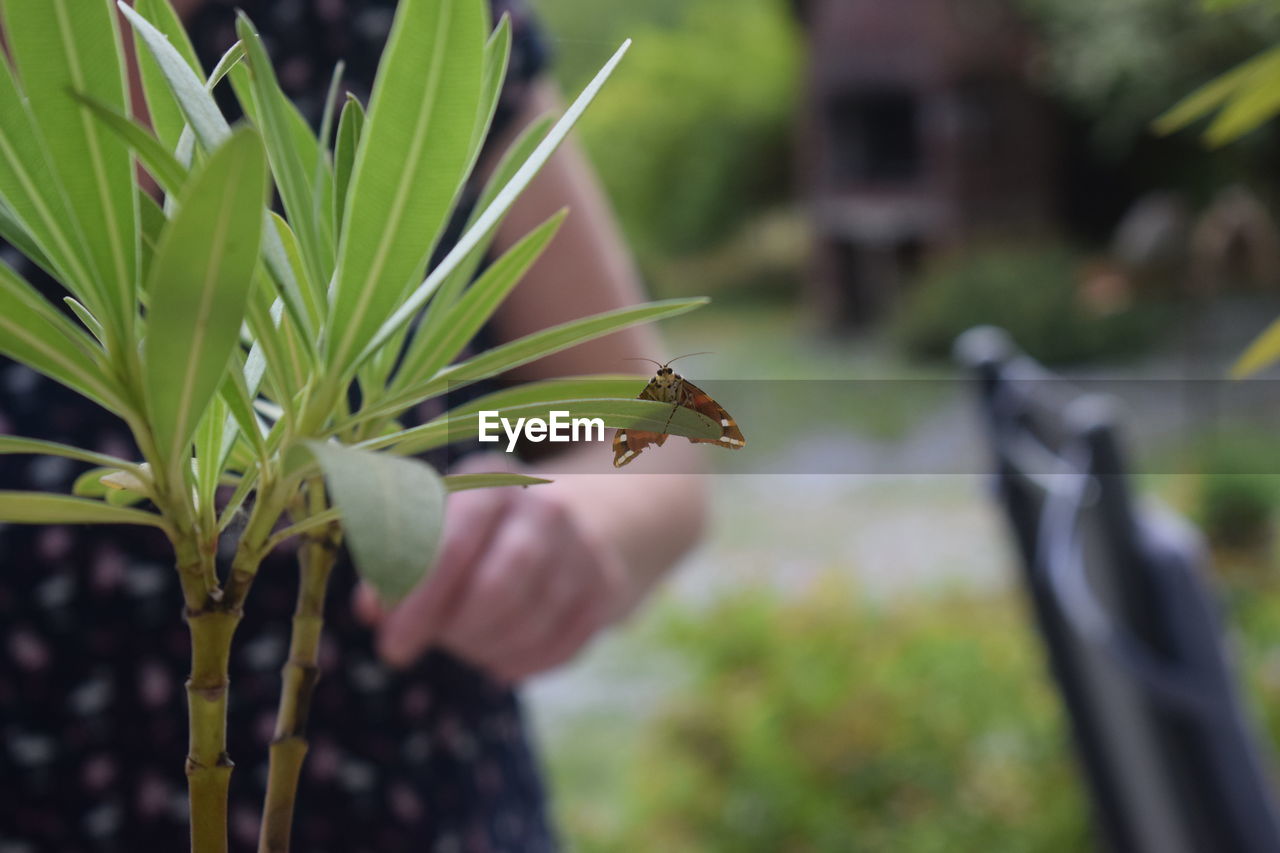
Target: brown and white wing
700	401
628	443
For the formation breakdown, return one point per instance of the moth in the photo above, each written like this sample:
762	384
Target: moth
667	386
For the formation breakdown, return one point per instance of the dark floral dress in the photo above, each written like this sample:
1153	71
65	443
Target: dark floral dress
93	652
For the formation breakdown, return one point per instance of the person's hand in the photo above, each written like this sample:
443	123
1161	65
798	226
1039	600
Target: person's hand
519	587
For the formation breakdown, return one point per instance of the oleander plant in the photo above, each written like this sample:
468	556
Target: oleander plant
264	360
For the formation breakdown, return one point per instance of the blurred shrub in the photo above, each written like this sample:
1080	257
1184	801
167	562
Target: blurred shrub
692	139
828	723
1235	499
1035	294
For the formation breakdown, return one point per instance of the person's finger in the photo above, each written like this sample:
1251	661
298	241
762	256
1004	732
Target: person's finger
581	620
506	579
364	601
409	628
554	594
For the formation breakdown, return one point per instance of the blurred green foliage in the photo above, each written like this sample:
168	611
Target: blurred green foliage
829	723
1235	499
693	137
1031	291
1124	62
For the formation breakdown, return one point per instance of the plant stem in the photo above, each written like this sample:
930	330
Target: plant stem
301	671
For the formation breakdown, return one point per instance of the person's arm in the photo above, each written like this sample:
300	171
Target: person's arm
528	576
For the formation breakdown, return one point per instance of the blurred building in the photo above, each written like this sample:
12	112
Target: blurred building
921	130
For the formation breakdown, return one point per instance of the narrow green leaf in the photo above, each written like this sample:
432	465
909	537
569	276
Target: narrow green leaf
292	177
1214	94
200	286
39	447
497	53
86	317
494	212
41	508
410	166
1256	102
152	221
34	196
33	332
60	47
627	413
392	512
462	321
15	233
463	482
166	116
532	347
155	158
550	390
232	58
1262	353
350	127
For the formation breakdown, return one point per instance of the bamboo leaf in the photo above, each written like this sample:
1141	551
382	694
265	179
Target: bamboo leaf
412	161
492	214
463	482
60	47
41	508
392	512
200	286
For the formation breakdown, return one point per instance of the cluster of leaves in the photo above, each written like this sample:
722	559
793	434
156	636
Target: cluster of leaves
829	723
693	141
232	339
1031	291
1121	63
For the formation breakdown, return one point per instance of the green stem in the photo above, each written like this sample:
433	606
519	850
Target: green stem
301	671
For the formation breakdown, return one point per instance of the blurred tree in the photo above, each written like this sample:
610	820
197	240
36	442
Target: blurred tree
694	139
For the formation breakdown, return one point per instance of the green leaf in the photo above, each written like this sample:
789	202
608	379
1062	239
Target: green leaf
60	47
199	288
86	317
1262	353
350	128
497	53
1256	102
463	482
39	447
166	116
152	221
532	347
14	232
41	508
550	390
1215	93
34	197
33	332
294	180
462	321
163	166
210	128
645	415
412	161
392	513
492	214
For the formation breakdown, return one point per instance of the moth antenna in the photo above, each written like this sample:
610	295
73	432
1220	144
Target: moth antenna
651	361
687	355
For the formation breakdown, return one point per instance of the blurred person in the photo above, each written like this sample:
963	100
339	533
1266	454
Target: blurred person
417	740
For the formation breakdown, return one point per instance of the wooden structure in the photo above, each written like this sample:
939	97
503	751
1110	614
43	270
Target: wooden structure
921	130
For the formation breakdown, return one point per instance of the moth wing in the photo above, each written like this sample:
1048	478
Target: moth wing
703	403
627	444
